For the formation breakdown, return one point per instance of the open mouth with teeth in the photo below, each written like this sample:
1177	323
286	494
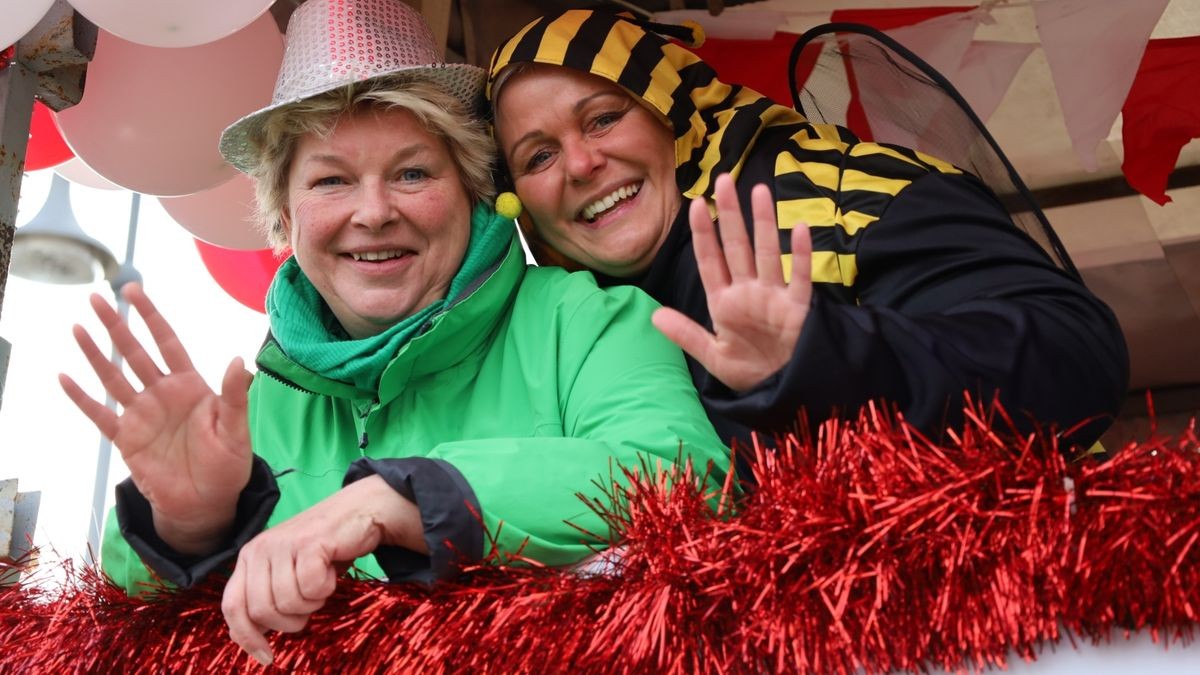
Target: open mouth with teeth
601	206
379	256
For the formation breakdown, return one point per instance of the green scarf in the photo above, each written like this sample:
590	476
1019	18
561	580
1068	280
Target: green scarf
307	331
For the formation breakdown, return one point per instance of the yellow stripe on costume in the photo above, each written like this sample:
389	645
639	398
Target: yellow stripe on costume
860	180
821	174
870	149
811	211
940	165
558	36
828	267
664	80
828	132
614	54
712	154
810	143
686	143
505	54
853	221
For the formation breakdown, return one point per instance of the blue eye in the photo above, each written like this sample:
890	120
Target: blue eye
537	159
604	120
328	180
413	175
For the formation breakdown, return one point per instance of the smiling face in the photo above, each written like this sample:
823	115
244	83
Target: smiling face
377	217
594	168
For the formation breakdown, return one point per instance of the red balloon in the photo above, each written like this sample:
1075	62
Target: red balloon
46	145
244	275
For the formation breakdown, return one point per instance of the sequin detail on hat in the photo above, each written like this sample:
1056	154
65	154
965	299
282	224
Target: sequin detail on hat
332	43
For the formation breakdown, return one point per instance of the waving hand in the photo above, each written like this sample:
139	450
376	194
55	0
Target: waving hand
756	316
187	449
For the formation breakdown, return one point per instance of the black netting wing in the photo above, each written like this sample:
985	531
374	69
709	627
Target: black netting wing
855	76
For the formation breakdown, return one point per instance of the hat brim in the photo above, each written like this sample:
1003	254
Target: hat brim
461	80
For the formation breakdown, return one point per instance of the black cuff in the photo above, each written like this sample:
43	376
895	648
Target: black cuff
449	516
774	404
254	508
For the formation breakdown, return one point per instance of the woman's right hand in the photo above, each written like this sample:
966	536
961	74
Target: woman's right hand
187	449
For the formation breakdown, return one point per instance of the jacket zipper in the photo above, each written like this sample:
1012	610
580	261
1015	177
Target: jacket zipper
363	440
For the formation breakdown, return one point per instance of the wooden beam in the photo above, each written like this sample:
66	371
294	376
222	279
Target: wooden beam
1112	187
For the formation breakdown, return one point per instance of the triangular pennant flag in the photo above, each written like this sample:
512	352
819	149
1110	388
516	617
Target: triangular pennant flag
941	42
987	71
1161	114
1093	49
891	20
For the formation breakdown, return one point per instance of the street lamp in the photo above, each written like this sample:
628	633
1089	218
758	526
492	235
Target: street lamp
53	248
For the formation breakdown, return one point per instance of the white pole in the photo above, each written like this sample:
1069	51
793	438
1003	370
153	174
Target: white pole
125	275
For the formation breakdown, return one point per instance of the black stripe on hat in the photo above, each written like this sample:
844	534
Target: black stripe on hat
527	49
698	75
643	59
687	173
745	125
589	39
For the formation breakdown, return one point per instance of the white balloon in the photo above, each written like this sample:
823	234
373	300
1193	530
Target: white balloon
79	173
171	23
17	17
223	215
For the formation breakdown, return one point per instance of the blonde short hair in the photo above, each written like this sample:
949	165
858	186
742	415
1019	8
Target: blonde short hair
443	115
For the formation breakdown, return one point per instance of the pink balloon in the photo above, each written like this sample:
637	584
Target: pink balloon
244	275
79	173
223	215
151	117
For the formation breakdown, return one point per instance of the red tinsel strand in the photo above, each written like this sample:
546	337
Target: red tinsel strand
1134	560
868	547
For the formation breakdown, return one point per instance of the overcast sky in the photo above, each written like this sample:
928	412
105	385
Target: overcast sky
45	442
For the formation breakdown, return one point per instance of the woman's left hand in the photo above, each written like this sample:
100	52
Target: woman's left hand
288	571
756	315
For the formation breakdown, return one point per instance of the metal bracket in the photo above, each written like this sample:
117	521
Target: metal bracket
58	50
18	518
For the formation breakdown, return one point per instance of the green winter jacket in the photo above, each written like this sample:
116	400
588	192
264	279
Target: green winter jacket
527	393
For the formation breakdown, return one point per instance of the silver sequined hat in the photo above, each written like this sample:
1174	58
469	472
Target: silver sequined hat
332	43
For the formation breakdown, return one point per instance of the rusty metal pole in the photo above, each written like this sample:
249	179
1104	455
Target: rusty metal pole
48	63
17	86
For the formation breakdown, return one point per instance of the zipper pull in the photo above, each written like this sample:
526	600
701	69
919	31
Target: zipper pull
363	415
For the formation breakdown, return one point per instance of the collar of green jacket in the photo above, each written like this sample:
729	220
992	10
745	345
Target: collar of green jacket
715	124
308	349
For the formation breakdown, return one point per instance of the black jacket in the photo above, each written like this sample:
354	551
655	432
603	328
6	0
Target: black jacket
950	297
924	288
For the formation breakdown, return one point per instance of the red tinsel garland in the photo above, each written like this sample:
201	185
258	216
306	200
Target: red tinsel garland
867	548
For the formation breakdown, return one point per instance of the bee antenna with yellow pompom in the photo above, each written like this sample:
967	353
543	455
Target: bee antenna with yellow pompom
508	205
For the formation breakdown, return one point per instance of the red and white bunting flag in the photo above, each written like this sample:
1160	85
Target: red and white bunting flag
1093	49
987	71
942	41
1161	114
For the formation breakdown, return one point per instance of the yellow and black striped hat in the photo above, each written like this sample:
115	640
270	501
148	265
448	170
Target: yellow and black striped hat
715	124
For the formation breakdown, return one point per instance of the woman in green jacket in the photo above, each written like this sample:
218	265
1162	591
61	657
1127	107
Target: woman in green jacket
423	395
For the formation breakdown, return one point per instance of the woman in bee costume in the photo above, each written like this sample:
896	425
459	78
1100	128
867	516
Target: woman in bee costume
903	279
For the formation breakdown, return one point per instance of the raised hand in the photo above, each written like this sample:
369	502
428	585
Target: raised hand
187	449
756	316
288	571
